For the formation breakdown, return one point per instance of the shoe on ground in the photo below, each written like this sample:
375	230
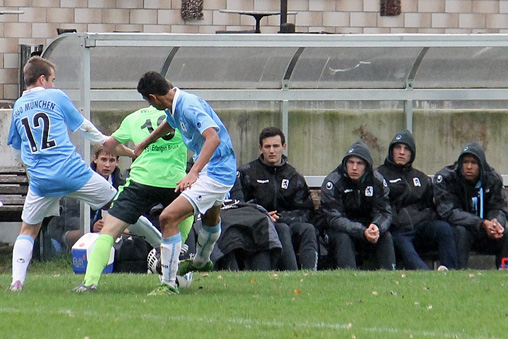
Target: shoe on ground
84	289
187	266
442	268
16	286
164	289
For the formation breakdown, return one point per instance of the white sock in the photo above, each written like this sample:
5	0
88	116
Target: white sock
170	251
21	256
207	237
144	228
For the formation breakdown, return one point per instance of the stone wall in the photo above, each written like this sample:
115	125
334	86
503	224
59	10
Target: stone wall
41	18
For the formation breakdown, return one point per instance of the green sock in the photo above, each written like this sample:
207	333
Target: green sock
98	259
185	226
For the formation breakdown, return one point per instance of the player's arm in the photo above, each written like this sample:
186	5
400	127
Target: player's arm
163	129
90	132
212	141
113	146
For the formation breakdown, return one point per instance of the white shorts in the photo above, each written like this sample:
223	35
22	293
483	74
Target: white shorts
206	193
97	192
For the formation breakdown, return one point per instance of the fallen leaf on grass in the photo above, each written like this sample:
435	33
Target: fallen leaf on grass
296	292
275	275
393	293
471	275
219	277
374	292
349	326
205	275
429	307
403	275
253	280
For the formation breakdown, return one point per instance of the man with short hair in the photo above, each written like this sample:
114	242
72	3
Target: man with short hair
415	227
152	180
356	211
470	195
271	182
203	188
41	118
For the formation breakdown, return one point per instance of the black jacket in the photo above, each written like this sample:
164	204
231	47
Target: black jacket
276	188
411	196
351	207
454	195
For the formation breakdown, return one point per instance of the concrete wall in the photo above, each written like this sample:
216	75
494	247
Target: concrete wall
318	139
41	18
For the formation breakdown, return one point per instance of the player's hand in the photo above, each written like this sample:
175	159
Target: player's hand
186	182
372	233
274	216
493	229
97	226
139	148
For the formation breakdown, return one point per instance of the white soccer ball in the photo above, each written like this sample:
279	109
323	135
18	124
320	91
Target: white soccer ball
152	261
185	280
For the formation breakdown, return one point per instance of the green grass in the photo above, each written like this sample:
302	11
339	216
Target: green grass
324	304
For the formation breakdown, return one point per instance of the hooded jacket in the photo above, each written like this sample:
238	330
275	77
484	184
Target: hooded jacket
462	204
277	188
351	206
411	196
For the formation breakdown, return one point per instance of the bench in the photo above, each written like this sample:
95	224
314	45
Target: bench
13	191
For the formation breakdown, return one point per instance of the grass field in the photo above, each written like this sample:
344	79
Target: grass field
323	304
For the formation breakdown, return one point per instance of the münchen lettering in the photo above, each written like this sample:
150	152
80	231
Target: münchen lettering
40	104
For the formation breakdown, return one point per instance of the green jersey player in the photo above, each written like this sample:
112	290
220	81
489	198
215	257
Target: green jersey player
151	181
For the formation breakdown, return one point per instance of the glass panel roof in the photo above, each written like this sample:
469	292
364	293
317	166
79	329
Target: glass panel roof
232	67
464	67
291	62
121	67
68	64
354	67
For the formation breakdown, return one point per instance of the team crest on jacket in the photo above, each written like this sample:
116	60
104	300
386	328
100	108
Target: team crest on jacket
285	184
369	191
416	182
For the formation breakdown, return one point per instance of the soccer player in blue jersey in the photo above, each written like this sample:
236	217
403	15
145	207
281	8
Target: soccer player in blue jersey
205	186
41	118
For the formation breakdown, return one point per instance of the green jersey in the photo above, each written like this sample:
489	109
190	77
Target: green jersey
162	163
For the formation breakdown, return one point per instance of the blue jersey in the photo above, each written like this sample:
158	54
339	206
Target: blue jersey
192	115
39	128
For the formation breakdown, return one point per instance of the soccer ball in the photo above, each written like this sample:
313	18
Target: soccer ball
185	280
153	265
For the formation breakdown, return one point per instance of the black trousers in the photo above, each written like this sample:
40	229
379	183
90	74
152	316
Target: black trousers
479	242
301	239
343	248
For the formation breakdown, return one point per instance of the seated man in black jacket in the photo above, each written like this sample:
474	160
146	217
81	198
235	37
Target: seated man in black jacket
271	182
415	227
356	211
469	194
